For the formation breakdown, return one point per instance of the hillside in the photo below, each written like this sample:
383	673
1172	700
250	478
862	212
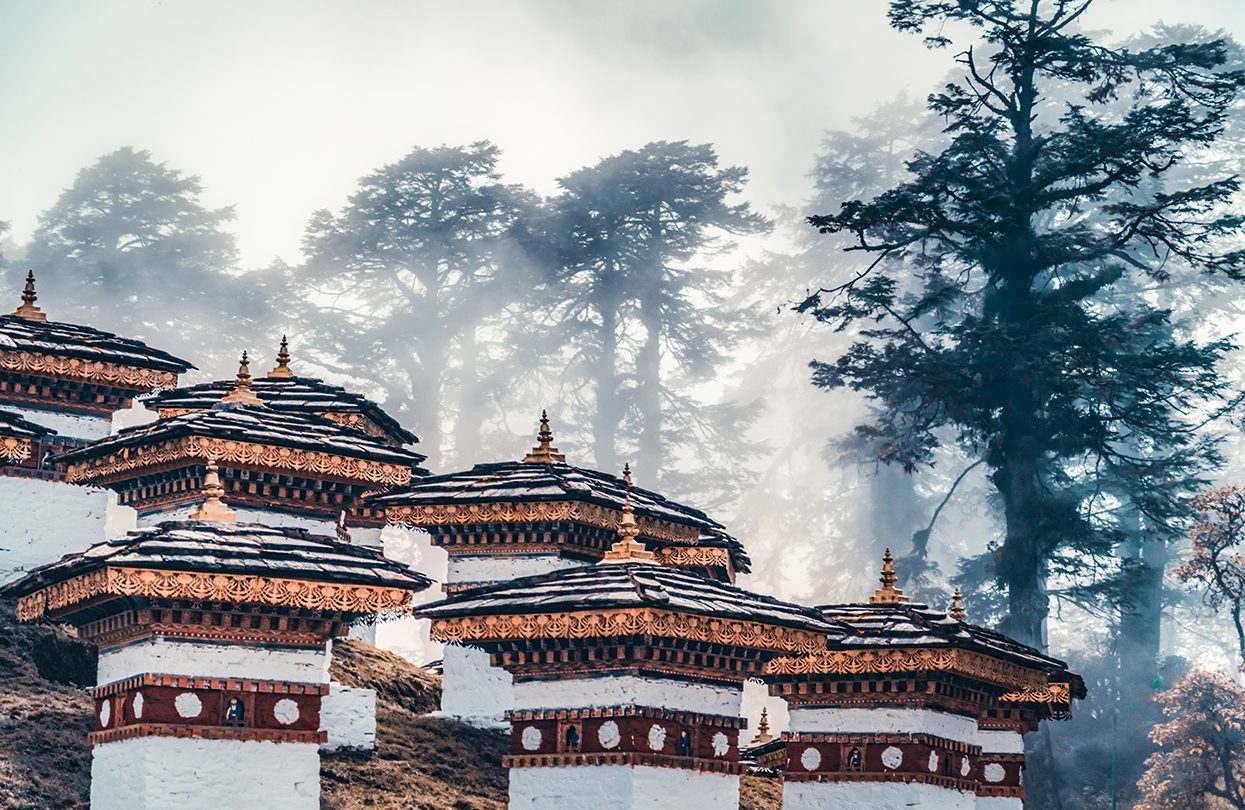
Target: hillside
420	762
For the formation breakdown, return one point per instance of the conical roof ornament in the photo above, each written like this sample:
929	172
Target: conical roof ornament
28	310
242	385
888	594
957	606
544	452
282	369
213	508
628	548
763	735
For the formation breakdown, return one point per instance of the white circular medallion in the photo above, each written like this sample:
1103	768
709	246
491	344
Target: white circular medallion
964	767
286	711
810	759
933	761
657	737
105	713
188	705
994	772
531	738
137	705
721	744
892	757
608	734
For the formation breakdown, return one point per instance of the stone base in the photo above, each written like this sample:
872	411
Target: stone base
619	787
845	795
162	773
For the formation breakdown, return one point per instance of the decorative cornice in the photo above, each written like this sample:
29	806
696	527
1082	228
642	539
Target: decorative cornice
627	622
247	589
866	662
419	517
1050	693
625	758
13	449
92	371
104	469
694	557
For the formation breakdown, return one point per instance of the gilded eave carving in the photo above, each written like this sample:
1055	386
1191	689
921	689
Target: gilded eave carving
92	371
416	516
310	463
196	586
14	449
894	661
592	624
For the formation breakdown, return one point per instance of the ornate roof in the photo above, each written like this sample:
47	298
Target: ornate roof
11	424
911	624
281	390
23	333
258	425
247	562
544	477
229	548
622	585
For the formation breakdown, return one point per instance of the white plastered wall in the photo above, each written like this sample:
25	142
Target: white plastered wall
162	773
45	520
68	425
619	787
205	659
487	568
348	715
884	721
822	795
472	691
627	690
246	514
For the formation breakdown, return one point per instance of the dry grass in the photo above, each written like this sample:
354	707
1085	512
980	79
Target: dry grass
420	762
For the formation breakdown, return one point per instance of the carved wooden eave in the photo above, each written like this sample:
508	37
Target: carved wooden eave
96	372
115	582
865	662
14	450
470	514
607	624
131	462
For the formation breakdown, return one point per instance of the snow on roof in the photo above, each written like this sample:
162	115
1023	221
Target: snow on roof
73	340
239	548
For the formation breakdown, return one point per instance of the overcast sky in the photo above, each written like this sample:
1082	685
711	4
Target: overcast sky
281	106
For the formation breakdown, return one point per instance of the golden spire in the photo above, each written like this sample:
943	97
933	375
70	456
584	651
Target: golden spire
763	735
957	606
213	508
888	594
242	386
282	368
628	549
28	310
544	452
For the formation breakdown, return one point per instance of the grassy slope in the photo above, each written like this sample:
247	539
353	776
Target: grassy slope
420	763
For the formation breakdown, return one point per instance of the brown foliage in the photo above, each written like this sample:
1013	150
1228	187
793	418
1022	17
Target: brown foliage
1201	761
1216	564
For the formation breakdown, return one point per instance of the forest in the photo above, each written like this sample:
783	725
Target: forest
1000	338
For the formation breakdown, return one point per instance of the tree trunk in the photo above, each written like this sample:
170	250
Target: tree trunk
609	408
471	403
650	457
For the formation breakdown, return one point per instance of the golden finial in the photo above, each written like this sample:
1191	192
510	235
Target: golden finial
282	369
628	549
213	508
544	452
28	310
763	735
957	606
888	594
242	386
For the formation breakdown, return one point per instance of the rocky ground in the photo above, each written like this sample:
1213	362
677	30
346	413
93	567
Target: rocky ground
420	762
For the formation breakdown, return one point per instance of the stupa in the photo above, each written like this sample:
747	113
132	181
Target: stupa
214	642
509	519
628	676
60	384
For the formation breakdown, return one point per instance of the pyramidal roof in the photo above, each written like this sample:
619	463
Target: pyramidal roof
229	548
